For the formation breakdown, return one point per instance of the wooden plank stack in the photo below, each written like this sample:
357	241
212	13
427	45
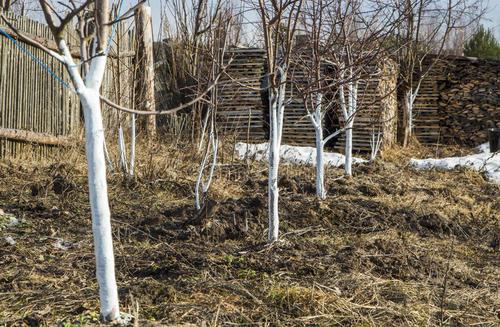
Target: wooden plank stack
297	126
243	103
377	107
242	109
426	111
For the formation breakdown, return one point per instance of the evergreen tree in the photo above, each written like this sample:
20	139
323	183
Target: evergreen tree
483	45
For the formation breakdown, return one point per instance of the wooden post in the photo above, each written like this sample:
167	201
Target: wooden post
145	84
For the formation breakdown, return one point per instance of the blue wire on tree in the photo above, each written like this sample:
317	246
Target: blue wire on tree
37	60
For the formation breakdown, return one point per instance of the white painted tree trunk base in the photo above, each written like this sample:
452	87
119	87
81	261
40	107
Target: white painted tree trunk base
348	151
98	194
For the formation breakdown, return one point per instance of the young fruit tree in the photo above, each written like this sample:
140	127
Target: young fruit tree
213	53
316	89
278	21
192	58
87	77
342	41
88	89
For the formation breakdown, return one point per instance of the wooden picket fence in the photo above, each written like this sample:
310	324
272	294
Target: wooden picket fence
38	106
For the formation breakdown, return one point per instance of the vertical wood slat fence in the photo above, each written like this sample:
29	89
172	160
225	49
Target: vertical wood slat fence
118	83
30	98
33	102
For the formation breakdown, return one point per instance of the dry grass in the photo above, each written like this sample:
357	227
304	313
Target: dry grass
389	247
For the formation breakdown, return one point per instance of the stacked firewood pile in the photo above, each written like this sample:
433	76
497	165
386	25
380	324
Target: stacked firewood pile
469	100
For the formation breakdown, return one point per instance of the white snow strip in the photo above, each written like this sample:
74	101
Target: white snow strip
298	155
484	162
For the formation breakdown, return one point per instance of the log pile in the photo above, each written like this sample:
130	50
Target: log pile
458	102
470	100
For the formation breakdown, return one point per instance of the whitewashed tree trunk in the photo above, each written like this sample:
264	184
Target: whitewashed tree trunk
108	158
317	121
409	106
375	143
277	110
349	113
121	150
132	145
348	149
215	149
409	98
88	93
98	193
203	131
320	165
199	181
200	184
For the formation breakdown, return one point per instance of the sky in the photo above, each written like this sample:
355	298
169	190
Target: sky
491	20
493	17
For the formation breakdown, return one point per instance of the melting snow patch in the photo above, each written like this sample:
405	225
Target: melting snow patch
483	148
10	240
8	220
299	155
61	244
13	221
484	161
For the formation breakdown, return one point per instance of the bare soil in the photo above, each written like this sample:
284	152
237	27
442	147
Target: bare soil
389	247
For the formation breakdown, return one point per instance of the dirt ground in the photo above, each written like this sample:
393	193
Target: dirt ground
389	247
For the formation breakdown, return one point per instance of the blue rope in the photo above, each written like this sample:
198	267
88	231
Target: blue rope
113	28
37	60
44	65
